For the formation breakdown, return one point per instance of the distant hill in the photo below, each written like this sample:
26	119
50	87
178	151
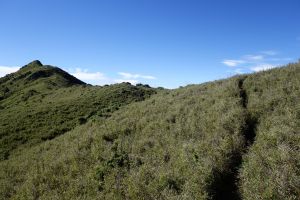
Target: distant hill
40	102
35	77
236	138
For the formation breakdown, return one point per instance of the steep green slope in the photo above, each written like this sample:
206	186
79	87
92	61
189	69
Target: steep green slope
271	169
229	139
31	79
176	144
43	102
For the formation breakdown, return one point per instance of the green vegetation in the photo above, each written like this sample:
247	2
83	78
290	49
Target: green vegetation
228	139
271	168
43	102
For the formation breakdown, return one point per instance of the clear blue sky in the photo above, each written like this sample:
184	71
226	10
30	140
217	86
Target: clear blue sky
165	43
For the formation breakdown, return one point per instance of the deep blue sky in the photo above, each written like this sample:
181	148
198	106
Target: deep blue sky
175	42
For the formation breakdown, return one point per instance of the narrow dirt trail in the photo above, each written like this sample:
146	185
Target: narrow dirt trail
251	122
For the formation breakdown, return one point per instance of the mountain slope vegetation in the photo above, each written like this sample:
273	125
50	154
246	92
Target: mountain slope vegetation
271	168
41	102
235	138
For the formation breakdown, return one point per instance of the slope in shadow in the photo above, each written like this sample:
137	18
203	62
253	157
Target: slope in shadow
251	121
224	185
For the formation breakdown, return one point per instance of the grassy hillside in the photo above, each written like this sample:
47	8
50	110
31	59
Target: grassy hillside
34	78
175	144
42	102
230	139
271	168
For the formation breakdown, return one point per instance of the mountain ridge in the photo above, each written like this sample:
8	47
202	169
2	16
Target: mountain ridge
36	76
45	101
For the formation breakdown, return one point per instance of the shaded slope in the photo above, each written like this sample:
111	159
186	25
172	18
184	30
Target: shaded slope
45	102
